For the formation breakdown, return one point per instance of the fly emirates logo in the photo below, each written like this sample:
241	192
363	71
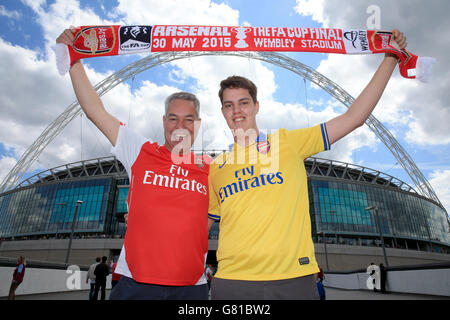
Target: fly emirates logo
246	179
176	179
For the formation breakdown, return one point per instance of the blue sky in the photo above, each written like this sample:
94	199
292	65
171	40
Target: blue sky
33	94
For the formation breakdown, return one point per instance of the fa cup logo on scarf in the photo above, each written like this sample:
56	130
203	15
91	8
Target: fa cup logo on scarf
241	35
134	39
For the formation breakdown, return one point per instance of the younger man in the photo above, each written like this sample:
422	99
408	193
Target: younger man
259	193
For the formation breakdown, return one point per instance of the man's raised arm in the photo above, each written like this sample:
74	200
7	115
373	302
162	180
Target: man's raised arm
88	98
363	106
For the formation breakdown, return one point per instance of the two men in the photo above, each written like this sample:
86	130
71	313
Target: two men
258	191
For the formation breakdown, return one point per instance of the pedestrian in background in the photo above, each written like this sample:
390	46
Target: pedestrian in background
115	276
18	275
91	276
101	272
320	287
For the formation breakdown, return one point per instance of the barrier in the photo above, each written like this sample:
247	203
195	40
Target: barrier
421	279
45	277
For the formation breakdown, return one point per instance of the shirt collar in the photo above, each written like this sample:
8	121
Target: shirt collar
262	137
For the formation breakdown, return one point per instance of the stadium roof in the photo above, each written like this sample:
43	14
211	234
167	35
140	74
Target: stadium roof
315	167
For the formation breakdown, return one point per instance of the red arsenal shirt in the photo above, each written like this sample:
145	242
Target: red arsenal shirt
166	240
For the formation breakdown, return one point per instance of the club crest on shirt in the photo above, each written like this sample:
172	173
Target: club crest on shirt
263	146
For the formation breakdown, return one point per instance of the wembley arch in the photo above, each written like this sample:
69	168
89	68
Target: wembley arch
73	110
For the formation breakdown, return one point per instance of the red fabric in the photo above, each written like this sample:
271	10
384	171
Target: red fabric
167	238
91	41
115	276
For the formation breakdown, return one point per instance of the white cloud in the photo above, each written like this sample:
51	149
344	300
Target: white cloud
28	112
424	108
66	13
10	14
207	72
428	134
6	165
440	183
353	73
33	94
313	8
48	94
194	12
34	4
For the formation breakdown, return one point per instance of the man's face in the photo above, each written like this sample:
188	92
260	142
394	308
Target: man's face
181	124
239	110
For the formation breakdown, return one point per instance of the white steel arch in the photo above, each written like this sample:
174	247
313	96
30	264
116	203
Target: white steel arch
73	110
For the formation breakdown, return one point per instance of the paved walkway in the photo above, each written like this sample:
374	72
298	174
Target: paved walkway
341	294
332	294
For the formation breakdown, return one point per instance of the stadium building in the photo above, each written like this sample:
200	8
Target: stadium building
354	212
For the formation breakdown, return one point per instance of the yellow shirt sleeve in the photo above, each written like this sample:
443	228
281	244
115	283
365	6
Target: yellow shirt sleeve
308	141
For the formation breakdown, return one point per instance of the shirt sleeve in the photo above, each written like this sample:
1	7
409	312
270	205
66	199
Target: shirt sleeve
214	207
128	146
309	141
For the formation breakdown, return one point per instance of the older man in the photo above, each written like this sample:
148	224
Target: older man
166	243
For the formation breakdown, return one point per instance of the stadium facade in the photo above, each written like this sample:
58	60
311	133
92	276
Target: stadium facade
349	205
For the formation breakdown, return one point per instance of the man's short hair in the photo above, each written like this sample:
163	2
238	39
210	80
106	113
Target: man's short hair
236	82
183	96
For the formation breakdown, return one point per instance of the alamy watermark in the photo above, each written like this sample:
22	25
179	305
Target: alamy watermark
374	279
73	281
374	19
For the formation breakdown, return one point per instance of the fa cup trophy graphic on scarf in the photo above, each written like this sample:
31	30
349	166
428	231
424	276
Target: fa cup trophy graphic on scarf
241	35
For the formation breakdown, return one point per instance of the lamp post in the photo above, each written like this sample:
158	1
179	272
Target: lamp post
325	242
325	247
74	221
375	208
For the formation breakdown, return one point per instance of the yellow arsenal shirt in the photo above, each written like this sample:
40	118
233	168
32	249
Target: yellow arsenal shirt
260	195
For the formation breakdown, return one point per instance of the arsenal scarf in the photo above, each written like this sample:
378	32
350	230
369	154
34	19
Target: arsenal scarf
96	41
